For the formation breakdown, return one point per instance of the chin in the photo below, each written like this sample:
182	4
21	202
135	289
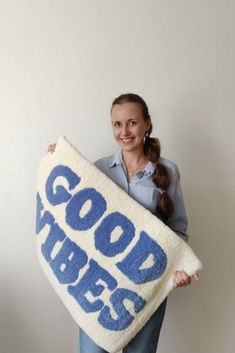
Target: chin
130	148
126	145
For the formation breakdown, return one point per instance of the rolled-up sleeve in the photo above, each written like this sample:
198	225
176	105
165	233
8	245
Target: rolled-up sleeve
178	221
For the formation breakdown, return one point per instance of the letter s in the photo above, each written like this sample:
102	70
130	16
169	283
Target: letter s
124	316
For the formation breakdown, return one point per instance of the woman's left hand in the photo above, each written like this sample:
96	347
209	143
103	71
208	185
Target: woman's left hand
181	279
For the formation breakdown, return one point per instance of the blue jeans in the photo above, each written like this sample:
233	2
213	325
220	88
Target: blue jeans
145	341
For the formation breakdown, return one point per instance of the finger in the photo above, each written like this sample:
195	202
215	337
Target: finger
174	283
182	278
185	278
51	147
196	277
179	279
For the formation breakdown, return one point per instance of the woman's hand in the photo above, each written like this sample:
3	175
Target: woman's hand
51	147
181	279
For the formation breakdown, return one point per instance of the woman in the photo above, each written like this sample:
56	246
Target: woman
154	182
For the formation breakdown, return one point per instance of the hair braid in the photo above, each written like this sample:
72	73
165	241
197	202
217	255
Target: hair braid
160	177
152	149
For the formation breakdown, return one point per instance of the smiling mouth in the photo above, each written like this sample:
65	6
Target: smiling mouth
127	139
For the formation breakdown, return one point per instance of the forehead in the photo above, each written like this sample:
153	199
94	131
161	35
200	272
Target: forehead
127	110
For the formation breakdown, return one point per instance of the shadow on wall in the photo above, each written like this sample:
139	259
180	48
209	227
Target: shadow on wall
196	313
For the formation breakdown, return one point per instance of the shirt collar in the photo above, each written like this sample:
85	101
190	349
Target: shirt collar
116	159
150	167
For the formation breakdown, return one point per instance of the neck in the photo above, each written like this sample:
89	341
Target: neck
133	158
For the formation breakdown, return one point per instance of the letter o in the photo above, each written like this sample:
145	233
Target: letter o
105	229
98	207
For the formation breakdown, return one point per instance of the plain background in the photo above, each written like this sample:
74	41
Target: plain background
62	62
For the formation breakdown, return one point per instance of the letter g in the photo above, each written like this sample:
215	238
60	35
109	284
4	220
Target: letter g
60	194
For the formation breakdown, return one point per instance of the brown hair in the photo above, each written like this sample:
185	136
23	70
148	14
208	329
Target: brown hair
152	149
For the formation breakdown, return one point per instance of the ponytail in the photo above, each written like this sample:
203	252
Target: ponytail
160	177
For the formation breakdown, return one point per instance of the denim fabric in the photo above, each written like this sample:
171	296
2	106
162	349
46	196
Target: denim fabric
145	341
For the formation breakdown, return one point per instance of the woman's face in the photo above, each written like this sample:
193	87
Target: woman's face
129	126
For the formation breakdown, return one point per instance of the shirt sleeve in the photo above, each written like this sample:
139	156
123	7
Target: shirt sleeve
97	163
178	221
102	165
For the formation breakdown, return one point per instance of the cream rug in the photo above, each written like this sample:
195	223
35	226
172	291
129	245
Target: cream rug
108	258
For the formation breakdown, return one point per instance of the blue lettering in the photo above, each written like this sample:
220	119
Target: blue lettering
124	316
112	237
61	195
98	207
56	234
104	231
68	262
131	264
88	283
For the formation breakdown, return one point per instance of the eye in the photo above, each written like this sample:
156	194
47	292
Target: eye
133	123
116	123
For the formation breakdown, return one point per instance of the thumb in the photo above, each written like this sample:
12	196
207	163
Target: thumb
196	277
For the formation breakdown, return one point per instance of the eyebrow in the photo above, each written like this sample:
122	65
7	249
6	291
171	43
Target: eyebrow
117	121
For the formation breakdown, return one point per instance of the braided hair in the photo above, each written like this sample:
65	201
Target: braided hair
152	149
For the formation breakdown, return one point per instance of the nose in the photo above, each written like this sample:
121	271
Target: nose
125	130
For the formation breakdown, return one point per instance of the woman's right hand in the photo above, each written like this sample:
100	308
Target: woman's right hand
181	279
51	147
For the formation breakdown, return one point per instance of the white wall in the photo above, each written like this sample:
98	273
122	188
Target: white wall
61	64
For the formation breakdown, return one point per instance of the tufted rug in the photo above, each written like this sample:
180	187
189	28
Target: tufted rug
109	259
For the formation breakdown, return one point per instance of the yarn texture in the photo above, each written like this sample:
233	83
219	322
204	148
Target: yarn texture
110	260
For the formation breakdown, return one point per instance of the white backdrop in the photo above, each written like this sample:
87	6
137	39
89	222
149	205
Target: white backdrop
62	62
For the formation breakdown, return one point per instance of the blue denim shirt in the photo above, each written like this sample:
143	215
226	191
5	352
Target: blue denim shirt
142	189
